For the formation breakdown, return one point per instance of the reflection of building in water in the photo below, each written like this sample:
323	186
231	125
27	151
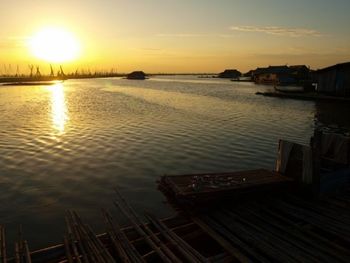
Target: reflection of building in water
333	116
58	107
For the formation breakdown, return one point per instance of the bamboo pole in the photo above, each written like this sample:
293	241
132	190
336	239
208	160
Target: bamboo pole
73	243
186	250
221	240
150	237
17	258
122	240
94	248
95	244
26	252
67	250
155	239
144	235
75	238
3	245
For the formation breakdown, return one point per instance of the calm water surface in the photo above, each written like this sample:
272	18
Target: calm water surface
66	146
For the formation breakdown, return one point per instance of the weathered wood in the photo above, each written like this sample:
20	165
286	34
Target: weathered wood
325	224
3	257
300	239
316	238
229	248
197	189
253	238
280	240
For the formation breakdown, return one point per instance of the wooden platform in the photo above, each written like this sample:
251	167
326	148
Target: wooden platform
287	230
203	188
269	229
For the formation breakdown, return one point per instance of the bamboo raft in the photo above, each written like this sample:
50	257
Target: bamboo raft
269	229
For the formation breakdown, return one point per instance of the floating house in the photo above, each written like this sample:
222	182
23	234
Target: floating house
300	72
274	75
281	75
230	74
334	80
136	75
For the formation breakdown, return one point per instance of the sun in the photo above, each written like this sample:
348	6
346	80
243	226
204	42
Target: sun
54	45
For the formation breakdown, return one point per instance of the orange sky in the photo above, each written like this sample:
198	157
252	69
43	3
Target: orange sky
180	36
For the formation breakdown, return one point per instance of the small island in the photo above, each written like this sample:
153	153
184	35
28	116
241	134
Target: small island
139	75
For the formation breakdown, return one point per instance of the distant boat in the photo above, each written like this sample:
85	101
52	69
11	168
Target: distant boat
140	75
289	89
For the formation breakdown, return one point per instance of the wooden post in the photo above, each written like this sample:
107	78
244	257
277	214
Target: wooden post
316	162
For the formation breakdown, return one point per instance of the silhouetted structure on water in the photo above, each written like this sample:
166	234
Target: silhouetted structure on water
230	74
281	75
334	80
136	75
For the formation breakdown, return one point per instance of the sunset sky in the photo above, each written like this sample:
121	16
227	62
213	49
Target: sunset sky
181	35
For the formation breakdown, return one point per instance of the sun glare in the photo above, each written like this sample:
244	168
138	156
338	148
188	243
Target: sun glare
54	45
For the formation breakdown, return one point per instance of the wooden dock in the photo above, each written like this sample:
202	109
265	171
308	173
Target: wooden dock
286	228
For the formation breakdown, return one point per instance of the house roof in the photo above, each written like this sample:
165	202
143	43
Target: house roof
298	67
231	71
335	67
272	70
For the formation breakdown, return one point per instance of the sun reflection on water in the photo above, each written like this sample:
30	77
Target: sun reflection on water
58	107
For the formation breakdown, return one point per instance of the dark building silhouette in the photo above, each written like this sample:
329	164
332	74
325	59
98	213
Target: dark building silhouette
281	75
273	75
136	75
334	80
300	72
230	74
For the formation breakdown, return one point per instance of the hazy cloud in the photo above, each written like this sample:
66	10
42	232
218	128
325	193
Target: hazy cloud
12	42
281	31
193	35
182	35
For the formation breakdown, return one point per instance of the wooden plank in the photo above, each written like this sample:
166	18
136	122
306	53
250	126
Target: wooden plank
253	238
325	224
229	248
331	213
295	227
302	240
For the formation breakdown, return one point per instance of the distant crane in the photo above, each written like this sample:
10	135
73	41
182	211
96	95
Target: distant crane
60	73
31	68
51	73
37	74
17	71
